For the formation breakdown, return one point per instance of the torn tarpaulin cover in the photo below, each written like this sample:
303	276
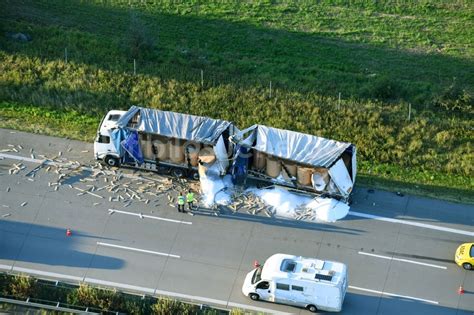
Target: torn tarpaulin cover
132	146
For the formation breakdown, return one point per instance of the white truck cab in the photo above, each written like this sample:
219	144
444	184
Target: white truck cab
304	282
104	149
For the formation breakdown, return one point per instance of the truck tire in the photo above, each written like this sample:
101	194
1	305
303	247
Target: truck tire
111	161
467	266
194	175
312	308
254	296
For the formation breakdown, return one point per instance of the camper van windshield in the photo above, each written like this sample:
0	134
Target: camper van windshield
257	276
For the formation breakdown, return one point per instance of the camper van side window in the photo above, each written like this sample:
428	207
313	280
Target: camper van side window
282	286
297	288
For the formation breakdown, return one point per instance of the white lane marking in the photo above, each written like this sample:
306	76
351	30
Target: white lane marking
46	274
27	159
422	225
254	308
393	294
148	216
404	260
138	250
144	289
49	162
6	267
120	285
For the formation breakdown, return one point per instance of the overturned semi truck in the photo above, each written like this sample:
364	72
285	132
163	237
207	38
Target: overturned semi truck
296	160
163	141
182	145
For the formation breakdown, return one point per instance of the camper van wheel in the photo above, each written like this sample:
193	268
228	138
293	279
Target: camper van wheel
312	308
254	296
111	161
177	172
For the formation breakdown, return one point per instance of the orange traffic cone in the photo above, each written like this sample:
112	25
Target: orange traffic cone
461	290
68	232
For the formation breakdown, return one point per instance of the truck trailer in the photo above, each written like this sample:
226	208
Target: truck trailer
163	141
179	144
299	161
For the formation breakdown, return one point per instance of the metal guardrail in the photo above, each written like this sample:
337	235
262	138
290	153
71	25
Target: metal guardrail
56	307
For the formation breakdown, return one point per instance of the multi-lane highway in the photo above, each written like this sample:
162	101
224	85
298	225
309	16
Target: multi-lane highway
399	249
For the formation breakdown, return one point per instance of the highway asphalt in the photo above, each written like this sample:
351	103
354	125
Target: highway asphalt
399	249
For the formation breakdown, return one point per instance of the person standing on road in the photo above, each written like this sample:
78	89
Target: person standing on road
190	199
181	202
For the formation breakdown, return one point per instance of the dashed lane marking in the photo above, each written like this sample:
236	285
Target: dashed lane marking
393	294
403	260
111	211
137	250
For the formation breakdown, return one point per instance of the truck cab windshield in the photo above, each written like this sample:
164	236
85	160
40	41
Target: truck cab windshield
257	276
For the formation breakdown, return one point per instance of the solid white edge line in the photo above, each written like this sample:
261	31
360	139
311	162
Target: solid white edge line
255	308
148	216
6	267
27	159
138	250
142	289
403	260
423	225
49	162
393	294
119	285
46	273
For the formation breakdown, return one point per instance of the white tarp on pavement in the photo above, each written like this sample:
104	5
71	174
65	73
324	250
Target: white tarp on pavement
289	205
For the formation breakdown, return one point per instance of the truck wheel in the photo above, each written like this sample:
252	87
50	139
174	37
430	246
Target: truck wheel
111	161
467	266
254	296
312	308
177	172
194	175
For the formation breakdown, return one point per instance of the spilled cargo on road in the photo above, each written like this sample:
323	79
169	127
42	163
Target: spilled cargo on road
191	146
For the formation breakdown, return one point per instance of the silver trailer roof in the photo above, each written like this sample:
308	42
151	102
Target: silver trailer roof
291	145
174	125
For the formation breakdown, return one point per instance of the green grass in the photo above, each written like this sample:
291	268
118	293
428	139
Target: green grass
48	121
381	58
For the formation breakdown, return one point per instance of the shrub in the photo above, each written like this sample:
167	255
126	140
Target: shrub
165	306
23	287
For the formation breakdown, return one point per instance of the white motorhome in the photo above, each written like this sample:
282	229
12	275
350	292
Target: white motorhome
305	282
